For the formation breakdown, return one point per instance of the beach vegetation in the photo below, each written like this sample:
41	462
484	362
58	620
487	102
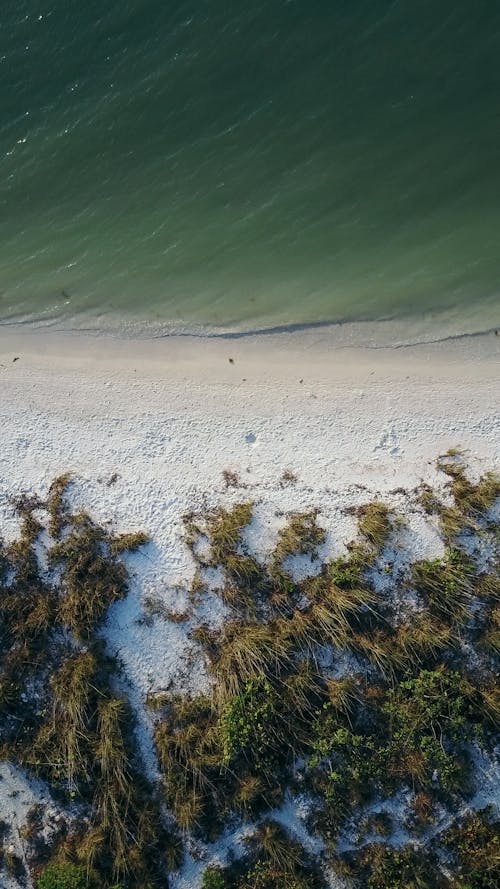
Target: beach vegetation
301	535
214	878
91	576
375	523
66	875
57	582
272	860
423	811
469	510
246	651
231	478
57	506
446	584
474	844
317	685
378	866
224	528
288	477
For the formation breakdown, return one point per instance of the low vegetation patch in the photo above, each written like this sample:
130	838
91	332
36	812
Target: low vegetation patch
60	716
327	684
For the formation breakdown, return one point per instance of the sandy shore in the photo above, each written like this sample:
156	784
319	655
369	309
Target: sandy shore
168	416
148	428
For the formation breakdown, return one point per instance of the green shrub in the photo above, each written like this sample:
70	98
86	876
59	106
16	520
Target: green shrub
475	844
214	878
404	868
250	725
67	876
429	716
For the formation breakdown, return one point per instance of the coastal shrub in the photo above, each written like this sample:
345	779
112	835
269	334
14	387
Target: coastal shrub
214	878
377	866
67	876
474	843
320	687
430	719
250	726
345	768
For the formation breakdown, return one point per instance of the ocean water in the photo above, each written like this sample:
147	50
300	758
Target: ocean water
210	165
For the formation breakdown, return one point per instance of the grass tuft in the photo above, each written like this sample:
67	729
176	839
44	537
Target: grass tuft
375	523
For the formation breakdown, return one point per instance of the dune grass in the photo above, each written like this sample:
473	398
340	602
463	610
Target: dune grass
316	685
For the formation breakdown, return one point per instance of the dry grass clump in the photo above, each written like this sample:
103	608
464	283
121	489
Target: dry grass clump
57	506
220	531
92	578
423	639
375	523
28	604
490	639
128	543
246	651
423	811
471	502
85	749
224	528
59	717
301	536
343	694
190	754
61	749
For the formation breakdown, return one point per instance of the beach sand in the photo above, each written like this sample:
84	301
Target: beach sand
148	427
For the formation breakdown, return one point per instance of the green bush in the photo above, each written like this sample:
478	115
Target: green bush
474	843
67	876
250	725
431	716
214	878
404	868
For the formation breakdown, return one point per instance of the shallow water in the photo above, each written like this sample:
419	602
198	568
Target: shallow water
238	166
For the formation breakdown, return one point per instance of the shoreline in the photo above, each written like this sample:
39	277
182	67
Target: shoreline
275	358
383	332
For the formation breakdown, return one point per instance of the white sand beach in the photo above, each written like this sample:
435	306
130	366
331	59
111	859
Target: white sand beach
147	429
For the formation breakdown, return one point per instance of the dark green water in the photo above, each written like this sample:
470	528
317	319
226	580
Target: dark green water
245	164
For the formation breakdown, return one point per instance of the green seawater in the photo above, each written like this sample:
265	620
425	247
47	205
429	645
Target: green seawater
200	164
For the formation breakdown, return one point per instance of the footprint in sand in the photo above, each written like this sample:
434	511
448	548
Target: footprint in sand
389	442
